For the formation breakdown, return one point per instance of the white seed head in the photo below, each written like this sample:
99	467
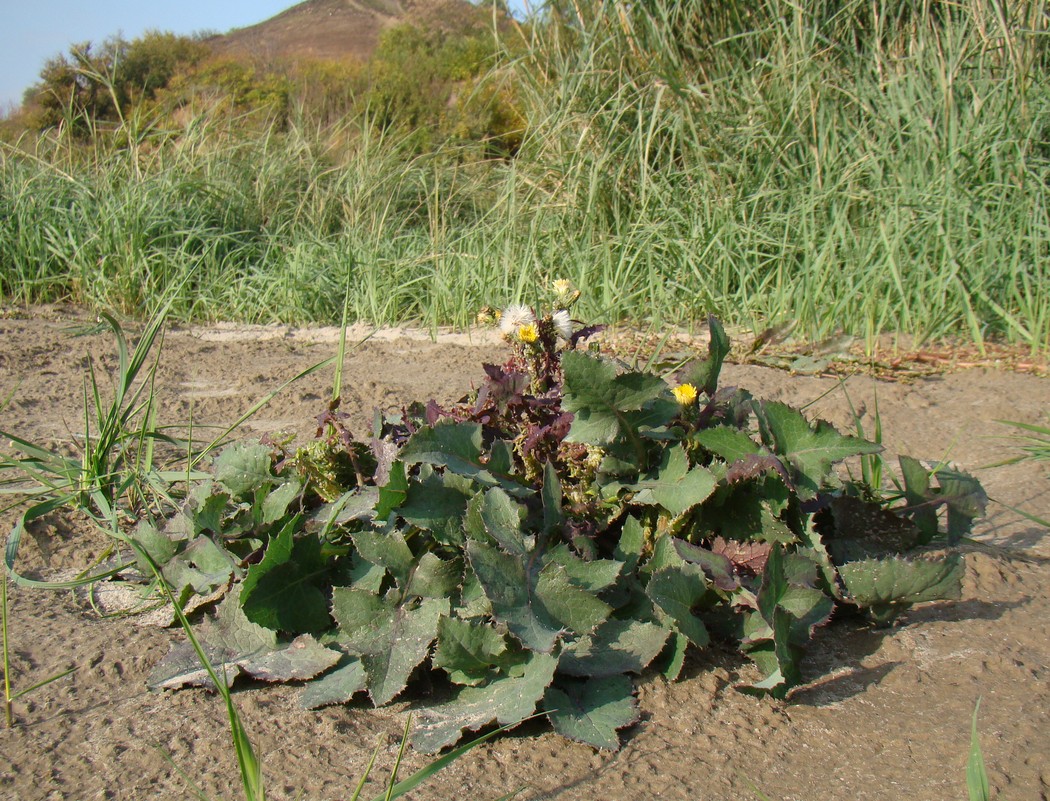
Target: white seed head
562	323
514	317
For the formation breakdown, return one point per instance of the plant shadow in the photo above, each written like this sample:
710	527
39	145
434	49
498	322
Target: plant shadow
833	670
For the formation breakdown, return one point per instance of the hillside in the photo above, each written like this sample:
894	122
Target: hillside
341	30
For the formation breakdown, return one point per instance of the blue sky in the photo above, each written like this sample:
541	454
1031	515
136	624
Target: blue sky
35	30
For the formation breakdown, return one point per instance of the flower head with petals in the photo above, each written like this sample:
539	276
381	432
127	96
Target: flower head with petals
528	333
685	394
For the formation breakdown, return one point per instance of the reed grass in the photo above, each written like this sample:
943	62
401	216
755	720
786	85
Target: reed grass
872	167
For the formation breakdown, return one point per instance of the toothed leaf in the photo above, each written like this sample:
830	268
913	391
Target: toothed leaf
507	701
335	687
601	400
592	710
616	646
391	640
810	449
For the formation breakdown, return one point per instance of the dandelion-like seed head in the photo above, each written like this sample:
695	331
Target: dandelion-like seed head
514	317
562	323
685	394
528	333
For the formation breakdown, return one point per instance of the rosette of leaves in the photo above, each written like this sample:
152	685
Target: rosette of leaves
538	546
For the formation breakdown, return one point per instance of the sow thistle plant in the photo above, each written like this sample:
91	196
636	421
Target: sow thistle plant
569	526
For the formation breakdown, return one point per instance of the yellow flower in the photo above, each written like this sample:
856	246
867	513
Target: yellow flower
685	394
565	294
528	333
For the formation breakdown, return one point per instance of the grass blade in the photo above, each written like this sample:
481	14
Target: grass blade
976	776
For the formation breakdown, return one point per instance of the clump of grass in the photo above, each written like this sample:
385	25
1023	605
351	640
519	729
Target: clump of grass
1032	440
872	166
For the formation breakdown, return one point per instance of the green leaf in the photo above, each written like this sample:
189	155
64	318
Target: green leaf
672	660
749	511
577	609
863	530
813	548
789	607
435	502
284	591
632	542
717	567
385	549
616	646
181	667
235	643
728	443
207	511
960	492
434	577
809	449
965	498
364	575
664	555
773	654
393	493
208	557
335	687
591	711
275	504
676	591
202	565
469	650
600	399
593	575
457	447
899	582
390	639
535	603
502	519
243	468
507	701
552	497
299	660
705	374
356	506
501	457
231	629
155	543
917	494
511	590
302	659
674	486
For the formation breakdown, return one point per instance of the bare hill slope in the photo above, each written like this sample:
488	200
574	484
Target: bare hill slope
341	30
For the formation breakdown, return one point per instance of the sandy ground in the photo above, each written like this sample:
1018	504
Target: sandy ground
886	714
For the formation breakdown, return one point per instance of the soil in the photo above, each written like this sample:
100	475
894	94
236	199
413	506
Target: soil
886	714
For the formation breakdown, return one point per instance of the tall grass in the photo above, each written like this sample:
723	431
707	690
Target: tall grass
866	165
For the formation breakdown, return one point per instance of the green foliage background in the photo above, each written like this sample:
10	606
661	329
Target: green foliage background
878	167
